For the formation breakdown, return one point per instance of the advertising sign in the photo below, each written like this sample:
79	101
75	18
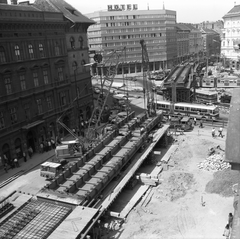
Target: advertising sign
122	7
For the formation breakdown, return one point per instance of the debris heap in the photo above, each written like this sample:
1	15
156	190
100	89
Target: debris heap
215	160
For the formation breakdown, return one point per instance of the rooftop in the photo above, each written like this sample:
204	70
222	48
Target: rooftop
18	7
68	11
234	11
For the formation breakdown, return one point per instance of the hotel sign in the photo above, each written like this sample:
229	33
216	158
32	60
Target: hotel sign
122	7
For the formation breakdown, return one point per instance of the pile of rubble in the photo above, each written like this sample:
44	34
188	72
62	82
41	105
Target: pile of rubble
215	160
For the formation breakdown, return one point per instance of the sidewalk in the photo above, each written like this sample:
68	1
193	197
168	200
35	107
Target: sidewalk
36	159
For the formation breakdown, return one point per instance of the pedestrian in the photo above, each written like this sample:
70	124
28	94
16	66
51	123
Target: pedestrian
53	143
201	124
49	145
41	147
213	132
230	220
226	232
5	167
16	162
220	132
24	157
195	121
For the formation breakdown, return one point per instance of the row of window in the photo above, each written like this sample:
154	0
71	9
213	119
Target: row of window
18	51
35	78
134	17
121	24
145	29
130	36
27	110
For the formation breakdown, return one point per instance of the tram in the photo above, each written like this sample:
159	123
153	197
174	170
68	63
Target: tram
195	110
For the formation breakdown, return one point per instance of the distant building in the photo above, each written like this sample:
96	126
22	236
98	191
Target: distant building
36	83
214	25
115	29
189	41
211	42
231	36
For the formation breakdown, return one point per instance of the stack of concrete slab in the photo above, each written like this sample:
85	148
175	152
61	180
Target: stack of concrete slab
148	179
214	162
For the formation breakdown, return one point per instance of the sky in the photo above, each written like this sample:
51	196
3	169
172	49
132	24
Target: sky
188	11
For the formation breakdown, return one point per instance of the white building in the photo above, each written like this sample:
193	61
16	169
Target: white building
231	36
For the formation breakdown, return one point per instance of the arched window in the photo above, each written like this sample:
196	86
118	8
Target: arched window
17	52
30	51
41	50
2	55
72	42
57	49
80	39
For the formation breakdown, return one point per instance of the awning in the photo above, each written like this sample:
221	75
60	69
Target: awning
33	124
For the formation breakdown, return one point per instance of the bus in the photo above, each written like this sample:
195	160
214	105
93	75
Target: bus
196	110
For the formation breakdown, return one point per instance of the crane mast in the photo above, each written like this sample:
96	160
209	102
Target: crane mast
111	64
147	83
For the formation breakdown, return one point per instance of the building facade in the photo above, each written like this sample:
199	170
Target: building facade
76	26
211	42
183	33
116	29
35	78
231	36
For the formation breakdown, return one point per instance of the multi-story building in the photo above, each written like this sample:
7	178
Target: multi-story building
182	42
77	52
195	41
35	77
189	41
211	42
231	36
116	29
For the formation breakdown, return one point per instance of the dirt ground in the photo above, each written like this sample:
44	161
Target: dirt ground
180	206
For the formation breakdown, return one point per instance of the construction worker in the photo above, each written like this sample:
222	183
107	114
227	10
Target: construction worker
195	120
226	232
213	132
220	132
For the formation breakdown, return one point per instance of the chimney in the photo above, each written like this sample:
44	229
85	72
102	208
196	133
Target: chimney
14	2
3	2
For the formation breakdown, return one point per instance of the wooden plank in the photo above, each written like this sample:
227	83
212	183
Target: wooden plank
167	156
133	201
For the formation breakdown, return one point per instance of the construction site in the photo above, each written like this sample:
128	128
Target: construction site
128	174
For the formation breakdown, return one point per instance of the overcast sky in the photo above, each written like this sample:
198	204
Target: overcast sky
192	11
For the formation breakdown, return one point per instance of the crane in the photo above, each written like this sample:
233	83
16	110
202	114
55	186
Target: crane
111	64
147	83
